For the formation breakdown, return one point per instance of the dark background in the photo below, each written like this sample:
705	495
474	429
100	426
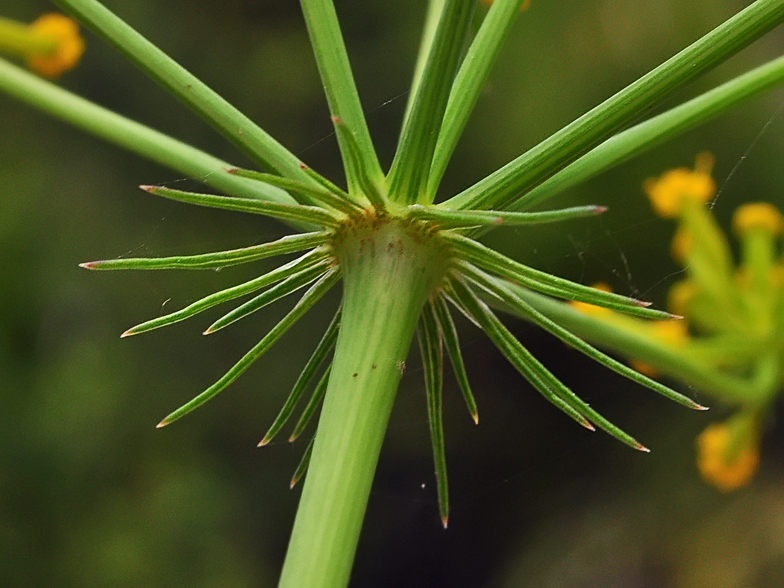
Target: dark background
91	494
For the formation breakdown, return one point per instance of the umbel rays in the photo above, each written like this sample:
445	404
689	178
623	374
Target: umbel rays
476	276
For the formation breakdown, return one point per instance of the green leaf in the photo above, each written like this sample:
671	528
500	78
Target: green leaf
335	71
305	303
296	212
305	261
309	371
498	264
355	167
220	259
527	311
452	219
657	130
433	363
303	465
468	84
526	363
310	409
179	82
407	179
131	135
502	188
332	199
281	290
449	335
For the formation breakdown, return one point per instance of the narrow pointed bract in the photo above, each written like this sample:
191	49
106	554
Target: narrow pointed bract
280	290
542	378
525	309
302	467
448	219
305	378
312	192
305	303
500	265
220	259
307	260
293	212
449	336
433	364
310	409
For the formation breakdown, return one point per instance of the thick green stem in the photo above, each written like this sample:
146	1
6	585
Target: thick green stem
389	269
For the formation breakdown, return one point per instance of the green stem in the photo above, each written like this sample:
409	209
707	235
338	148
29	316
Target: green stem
388	273
19	38
178	81
131	135
339	85
502	188
657	130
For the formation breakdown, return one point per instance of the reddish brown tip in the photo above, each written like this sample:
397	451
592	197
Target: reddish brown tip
148	188
697	406
263	442
640	447
600	209
337	120
302	166
127	333
89	264
445	521
162	424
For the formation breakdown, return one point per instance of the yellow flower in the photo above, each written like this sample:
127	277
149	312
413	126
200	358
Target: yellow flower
758	215
68	48
728	453
674	188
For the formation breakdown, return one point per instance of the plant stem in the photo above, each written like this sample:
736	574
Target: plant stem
132	135
388	272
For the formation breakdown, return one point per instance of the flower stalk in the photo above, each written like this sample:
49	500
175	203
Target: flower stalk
389	271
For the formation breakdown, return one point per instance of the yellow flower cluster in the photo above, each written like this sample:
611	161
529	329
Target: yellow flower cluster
733	313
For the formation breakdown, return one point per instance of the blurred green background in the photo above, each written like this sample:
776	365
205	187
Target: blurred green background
91	494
